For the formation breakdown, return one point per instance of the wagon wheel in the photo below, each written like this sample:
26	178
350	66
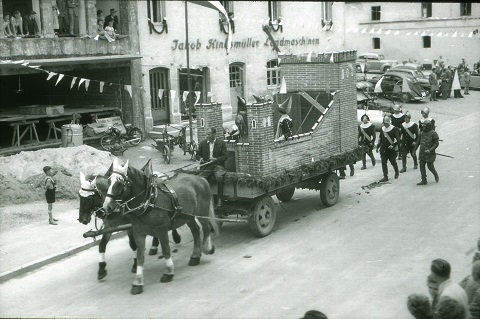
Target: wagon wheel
263	216
107	141
329	189
135	136
193	150
285	194
166	154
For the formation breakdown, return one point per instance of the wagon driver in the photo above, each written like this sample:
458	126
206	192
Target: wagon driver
212	153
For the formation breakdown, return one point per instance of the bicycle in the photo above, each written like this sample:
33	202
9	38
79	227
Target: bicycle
114	140
166	145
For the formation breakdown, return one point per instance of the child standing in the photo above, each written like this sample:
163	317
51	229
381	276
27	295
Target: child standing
50	192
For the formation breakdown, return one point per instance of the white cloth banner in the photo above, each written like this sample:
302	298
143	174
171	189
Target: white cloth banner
60	77
73	82
184	96
173	94
160	93
283	86
87	83
129	89
50	75
101	86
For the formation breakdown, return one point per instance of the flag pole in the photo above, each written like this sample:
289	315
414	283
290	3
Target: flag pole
189	88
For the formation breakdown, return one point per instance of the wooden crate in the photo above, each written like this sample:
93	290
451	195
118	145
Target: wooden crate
48	110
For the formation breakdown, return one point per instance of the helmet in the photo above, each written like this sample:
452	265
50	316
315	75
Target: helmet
386	119
426	110
397	108
407	114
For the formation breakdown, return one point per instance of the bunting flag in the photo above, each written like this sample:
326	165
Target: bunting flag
456	82
209	94
101	86
362	67
184	96
173	94
309	56
331	59
73	82
60	77
87	83
25	64
96	38
80	83
405	86
50	75
378	86
283	86
197	94
216	5
128	88
160	93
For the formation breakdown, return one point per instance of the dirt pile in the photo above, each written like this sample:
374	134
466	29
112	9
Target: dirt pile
22	177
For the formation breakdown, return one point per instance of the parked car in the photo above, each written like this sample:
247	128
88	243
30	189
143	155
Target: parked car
474	81
392	87
375	63
418	75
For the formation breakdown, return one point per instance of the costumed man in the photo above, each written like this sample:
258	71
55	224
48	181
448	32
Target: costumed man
428	143
285	123
433	80
212	153
425	116
450	73
241	117
410	136
388	145
397	120
366	137
442	73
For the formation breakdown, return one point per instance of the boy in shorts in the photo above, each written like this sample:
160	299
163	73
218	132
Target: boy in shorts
50	193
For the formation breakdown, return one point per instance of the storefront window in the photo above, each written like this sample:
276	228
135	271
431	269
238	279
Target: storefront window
273	74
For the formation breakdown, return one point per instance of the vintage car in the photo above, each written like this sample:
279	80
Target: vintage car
391	86
418	75
474	81
375	63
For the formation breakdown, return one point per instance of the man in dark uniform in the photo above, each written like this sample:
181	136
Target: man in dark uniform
388	145
212	153
397	120
428	143
112	17
410	135
450	73
425	116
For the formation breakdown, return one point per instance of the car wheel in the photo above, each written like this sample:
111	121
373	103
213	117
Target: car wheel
386	69
405	97
359	69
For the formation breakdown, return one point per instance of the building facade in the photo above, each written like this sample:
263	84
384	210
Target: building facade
415	31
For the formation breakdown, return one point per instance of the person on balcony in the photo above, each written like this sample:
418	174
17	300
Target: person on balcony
17	24
7	26
112	17
30	25
63	23
73	14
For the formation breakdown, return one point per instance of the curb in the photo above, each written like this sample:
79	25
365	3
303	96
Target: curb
18	271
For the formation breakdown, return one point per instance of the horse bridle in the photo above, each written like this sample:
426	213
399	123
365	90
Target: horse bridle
126	185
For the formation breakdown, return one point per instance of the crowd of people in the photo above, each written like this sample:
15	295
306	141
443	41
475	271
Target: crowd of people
448	299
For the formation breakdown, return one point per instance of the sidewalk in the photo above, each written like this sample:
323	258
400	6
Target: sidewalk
28	242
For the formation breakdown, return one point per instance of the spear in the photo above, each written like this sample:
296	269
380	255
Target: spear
445	155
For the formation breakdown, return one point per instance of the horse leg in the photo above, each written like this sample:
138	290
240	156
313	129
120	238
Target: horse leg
137	286
154	249
102	247
133	246
168	276
195	228
207	227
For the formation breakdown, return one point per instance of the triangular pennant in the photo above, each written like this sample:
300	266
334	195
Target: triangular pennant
372	31
470	34
388	32
80	83
283	86
362	67
101	86
87	83
396	33
379	31
34	66
378	86
60	77
73	82
405	86
364	30
439	34
160	93
454	35
197	94
456	82
50	75
184	96
408	33
128	88
18	62
25	64
331	59
173	94
309	57
96	38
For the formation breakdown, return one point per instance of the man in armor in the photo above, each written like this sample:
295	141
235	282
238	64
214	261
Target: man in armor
388	145
397	120
285	124
409	138
425	116
428	143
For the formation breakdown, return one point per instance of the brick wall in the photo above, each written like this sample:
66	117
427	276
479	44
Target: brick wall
209	115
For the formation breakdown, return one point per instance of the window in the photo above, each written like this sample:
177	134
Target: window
274	10
228	5
376	13
235	75
157	11
327	10
426	9
465	9
273	75
376	43
427	41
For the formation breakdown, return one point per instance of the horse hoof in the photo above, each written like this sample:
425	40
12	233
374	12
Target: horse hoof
136	290
194	261
166	278
153	251
102	274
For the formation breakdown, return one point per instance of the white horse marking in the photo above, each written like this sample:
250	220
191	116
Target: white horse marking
139	270
102	257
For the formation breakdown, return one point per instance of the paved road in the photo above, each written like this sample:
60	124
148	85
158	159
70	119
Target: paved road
358	259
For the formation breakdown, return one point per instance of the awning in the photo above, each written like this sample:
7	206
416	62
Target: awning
15	67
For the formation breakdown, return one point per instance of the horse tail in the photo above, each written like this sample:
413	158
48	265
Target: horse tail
212	218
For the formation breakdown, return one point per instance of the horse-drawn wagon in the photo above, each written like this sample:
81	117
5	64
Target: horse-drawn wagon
324	140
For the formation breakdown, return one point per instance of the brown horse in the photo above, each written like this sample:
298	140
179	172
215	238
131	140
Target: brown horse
153	212
91	201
